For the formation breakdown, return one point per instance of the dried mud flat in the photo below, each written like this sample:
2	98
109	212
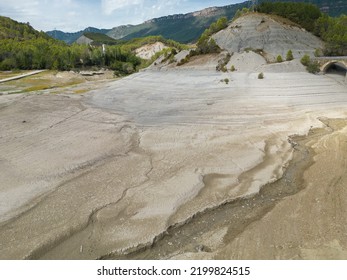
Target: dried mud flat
177	165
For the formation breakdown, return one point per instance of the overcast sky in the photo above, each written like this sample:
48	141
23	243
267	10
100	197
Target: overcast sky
75	15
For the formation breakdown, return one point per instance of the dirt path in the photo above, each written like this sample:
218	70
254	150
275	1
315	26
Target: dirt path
21	76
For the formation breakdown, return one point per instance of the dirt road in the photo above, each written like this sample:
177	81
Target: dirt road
21	76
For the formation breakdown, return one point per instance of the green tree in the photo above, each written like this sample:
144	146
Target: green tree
305	60
222	23
313	67
289	55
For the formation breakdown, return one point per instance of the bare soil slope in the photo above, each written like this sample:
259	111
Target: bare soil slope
273	35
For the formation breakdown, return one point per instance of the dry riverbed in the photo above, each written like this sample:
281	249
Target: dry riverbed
169	164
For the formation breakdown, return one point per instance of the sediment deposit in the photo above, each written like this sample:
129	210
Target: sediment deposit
136	160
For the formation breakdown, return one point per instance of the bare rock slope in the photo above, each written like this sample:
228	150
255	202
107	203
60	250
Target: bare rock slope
273	35
147	51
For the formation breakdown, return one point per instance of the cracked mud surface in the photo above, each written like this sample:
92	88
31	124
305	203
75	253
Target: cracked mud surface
169	164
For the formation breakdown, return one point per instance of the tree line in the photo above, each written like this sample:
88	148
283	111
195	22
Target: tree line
41	53
334	32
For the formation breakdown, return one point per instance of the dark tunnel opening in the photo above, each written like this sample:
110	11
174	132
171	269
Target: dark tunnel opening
336	68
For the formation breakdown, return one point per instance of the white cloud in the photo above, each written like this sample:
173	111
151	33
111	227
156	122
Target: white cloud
109	6
20	7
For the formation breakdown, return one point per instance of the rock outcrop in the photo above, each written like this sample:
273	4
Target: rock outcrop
83	40
147	51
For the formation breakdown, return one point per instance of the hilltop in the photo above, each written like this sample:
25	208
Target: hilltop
268	34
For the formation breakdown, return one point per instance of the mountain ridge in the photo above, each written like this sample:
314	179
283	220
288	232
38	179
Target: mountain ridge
71	37
186	28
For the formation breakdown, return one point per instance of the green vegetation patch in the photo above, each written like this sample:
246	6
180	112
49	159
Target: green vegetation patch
289	55
334	32
304	14
311	66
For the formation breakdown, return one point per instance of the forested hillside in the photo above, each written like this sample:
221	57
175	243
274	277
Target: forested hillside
334	32
333	8
21	31
304	14
22	47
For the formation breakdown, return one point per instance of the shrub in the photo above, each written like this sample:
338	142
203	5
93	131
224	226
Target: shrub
222	63
207	45
183	60
169	55
305	60
289	56
279	59
122	68
232	68
8	64
313	67
318	53
261	76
